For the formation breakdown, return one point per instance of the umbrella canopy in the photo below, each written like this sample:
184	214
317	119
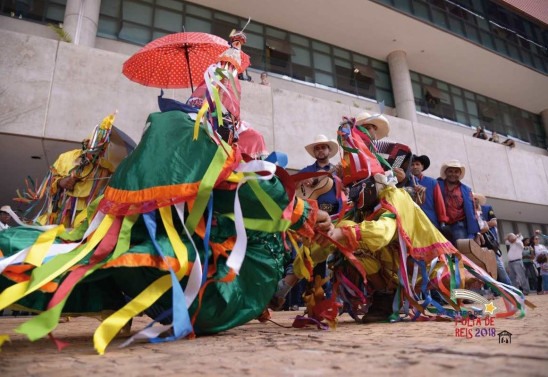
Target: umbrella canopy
176	61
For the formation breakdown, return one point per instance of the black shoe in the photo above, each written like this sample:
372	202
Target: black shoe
380	309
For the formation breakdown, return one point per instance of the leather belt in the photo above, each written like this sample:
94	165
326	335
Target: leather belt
515	260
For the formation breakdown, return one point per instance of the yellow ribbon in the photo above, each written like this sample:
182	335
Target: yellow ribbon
39	249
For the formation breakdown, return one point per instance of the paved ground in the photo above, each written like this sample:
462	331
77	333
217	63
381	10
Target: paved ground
264	349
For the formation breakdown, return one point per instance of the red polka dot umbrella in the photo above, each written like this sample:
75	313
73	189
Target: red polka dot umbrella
176	61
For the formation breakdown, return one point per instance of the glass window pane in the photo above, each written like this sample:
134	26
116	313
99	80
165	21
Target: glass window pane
417	90
341	53
458	103
414	76
377	64
159	34
483	24
176	5
500	45
420	10
472	32
442	85
137	12
319	46
469	95
196	24
257	28
474	122
456	90
293	38
135	33
439	18
324	79
323	62
404	5
456	25
462	118
427	80
472	107
513	51
487	40
168	20
226	17
198	11
360	59
55	13
384	95
255	41
383	80
276	33
343	63
110	8
301	56
107	28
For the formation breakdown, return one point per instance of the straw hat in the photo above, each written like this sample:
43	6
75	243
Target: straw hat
424	160
453	164
383	126
322	139
5	209
480	197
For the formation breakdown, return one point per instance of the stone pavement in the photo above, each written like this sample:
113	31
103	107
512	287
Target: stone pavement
265	349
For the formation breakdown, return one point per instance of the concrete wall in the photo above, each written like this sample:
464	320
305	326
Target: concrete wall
56	90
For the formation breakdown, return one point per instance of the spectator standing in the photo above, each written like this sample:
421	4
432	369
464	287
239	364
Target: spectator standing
543	262
491	237
515	262
539	250
528	263
459	204
428	190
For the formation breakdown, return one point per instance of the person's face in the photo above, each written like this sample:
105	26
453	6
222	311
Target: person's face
321	152
536	240
452	175
263	77
416	168
372	129
5	217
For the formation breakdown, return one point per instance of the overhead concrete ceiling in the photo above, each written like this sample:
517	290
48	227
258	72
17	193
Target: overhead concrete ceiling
376	31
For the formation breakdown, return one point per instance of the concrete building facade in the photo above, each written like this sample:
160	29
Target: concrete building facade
323	63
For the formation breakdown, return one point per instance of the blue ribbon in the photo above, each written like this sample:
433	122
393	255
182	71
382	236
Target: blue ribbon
181	319
206	238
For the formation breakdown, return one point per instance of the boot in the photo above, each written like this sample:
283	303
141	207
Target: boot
381	308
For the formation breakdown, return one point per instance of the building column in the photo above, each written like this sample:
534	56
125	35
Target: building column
401	86
544	120
81	19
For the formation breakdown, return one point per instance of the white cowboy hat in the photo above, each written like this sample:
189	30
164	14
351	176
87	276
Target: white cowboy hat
453	164
383	126
480	197
5	209
322	139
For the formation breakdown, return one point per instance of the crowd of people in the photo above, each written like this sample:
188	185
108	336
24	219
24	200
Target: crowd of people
495	137
202	231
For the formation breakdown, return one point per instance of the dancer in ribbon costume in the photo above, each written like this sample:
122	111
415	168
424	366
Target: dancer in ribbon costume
78	177
387	256
187	232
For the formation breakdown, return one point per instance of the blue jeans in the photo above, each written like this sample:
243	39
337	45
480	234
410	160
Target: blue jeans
502	275
545	283
459	231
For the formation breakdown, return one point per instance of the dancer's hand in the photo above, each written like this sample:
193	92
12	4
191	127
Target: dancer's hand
323	222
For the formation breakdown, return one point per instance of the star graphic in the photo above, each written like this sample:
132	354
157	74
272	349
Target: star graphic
490	308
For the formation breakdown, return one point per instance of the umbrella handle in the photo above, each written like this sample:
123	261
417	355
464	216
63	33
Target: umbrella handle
188	67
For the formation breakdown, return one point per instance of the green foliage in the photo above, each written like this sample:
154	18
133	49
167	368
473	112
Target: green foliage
63	35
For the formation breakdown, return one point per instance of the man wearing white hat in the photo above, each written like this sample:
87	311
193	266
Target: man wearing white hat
459	202
5	217
324	191
322	149
377	125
